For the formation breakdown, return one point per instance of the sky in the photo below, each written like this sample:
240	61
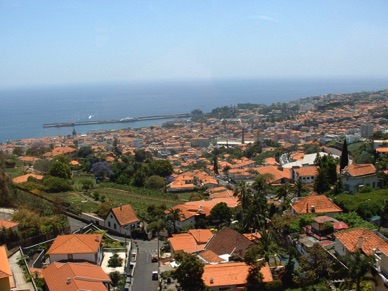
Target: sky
84	41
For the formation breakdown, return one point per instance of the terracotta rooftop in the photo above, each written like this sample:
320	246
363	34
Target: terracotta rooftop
307	171
24	178
190	243
228	241
75	244
321	204
231	274
5	269
370	240
382	150
210	257
125	214
7	224
75	277
356	170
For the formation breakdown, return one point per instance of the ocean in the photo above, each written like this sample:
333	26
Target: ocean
23	111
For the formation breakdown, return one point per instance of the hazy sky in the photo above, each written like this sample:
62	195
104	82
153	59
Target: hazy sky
50	42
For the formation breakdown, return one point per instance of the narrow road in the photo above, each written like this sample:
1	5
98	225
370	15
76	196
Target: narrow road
142	279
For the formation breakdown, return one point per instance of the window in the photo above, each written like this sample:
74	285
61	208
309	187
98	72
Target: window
108	223
114	225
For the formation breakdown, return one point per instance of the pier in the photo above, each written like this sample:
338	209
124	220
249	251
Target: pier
122	120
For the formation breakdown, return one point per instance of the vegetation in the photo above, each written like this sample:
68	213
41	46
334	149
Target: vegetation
189	273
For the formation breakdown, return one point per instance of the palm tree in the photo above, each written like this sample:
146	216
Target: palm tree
242	192
174	215
299	187
283	191
359	266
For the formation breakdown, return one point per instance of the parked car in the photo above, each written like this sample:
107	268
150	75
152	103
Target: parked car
155	275
154	259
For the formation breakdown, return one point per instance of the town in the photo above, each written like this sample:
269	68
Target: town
291	196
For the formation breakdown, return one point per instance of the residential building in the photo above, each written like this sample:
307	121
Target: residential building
315	203
6	277
6	224
229	242
349	241
76	247
75	276
231	276
306	174
355	176
122	219
192	241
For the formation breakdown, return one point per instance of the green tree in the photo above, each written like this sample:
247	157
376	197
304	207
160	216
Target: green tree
56	184
174	215
60	170
87	184
344	161
221	213
321	182
299	187
162	168
115	277
18	151
359	266
84	151
215	165
317	264
242	192
7	192
154	182
189	273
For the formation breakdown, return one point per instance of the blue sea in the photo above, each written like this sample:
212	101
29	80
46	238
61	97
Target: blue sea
23	111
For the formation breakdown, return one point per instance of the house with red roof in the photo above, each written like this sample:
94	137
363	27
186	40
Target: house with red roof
75	276
229	242
191	211
355	176
192	241
315	203
306	174
122	219
351	240
6	224
6	276
77	247
231	276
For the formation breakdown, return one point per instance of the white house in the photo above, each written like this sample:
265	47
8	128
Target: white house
122	219
76	247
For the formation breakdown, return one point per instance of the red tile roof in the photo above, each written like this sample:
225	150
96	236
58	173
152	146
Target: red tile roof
230	274
24	178
210	257
307	171
75	244
5	269
228	241
321	203
370	240
356	170
75	277
7	224
125	215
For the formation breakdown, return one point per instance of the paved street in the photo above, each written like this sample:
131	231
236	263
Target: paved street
144	267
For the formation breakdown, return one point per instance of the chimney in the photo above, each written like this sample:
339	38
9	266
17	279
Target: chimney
211	280
97	238
307	208
68	280
121	207
312	209
359	243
